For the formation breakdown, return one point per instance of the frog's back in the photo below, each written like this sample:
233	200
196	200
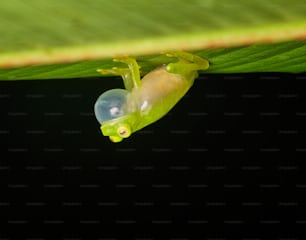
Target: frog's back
159	92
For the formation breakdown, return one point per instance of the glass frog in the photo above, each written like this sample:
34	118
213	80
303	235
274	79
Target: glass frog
122	112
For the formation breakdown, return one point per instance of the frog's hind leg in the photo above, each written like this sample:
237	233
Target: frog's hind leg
187	63
130	75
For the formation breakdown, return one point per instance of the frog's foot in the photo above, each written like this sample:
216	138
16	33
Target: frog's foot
187	62
130	75
132	66
128	61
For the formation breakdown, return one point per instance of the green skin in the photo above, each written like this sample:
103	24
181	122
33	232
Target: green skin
154	95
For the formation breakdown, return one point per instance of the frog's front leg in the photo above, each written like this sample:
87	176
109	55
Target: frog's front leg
187	63
111	109
130	75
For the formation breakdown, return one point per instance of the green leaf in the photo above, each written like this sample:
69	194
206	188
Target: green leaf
43	39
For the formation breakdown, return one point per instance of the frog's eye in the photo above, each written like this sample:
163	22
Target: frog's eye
110	105
124	131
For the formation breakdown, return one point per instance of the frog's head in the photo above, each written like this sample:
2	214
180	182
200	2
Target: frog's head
112	113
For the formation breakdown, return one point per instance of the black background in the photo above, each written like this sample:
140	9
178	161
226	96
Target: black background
226	163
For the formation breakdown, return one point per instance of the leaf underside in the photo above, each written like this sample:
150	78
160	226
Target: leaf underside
71	39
